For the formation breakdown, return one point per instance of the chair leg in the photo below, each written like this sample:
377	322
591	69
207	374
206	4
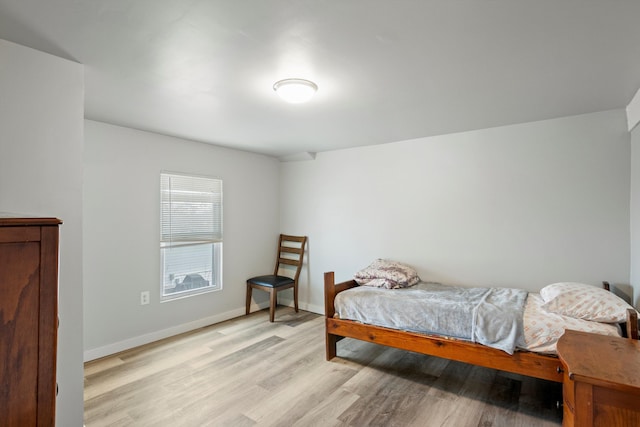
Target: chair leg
249	289
295	297
273	297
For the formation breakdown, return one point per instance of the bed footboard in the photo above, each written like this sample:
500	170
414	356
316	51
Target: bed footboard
331	289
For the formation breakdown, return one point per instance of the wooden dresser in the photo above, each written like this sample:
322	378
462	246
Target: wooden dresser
601	384
28	320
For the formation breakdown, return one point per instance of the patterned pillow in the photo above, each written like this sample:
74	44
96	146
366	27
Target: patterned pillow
584	302
387	274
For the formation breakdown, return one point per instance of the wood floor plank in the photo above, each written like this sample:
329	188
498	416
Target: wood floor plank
390	388
251	372
327	411
293	399
106	381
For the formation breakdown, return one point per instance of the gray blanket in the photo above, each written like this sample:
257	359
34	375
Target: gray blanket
489	316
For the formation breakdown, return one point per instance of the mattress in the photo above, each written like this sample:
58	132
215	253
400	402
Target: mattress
417	309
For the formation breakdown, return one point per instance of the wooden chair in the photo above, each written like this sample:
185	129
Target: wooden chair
290	257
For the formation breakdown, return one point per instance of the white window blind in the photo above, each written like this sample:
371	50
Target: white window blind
190	234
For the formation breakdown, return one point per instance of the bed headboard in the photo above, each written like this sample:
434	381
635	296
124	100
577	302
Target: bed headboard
630	328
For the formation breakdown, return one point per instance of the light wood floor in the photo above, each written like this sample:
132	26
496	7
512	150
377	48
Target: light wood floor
247	372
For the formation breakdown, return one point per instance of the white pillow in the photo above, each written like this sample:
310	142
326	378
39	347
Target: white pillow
387	274
584	302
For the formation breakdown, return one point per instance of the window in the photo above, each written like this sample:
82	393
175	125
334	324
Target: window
190	235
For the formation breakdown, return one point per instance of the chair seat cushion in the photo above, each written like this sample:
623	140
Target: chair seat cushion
271	281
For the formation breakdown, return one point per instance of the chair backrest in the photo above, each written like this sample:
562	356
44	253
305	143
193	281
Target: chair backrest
290	254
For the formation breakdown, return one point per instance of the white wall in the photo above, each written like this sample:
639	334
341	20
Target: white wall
519	206
633	111
41	126
121	234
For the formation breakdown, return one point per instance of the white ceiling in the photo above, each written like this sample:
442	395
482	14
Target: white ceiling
387	70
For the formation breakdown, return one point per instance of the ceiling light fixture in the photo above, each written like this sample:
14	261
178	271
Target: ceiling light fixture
295	91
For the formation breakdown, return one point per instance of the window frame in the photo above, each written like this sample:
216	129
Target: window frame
193	236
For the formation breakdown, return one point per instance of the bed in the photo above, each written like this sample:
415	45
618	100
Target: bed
541	365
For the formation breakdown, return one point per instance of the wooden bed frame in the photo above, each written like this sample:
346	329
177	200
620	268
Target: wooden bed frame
547	367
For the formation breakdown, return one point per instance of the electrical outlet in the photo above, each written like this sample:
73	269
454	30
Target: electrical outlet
144	297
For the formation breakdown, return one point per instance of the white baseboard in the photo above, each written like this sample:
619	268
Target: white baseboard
312	308
130	343
133	342
301	305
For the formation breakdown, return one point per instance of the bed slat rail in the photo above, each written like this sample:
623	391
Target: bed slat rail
524	363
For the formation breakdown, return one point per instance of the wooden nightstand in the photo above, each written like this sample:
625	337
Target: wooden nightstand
601	385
